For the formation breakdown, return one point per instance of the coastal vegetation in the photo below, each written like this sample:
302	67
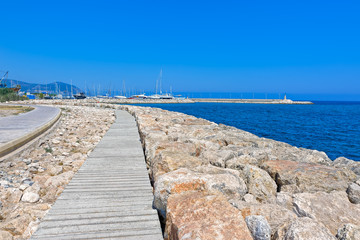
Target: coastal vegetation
7	94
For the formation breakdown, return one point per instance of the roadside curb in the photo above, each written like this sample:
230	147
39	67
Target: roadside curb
16	143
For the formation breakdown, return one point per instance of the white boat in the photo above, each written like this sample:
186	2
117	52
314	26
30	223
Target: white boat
140	96
166	96
155	96
120	97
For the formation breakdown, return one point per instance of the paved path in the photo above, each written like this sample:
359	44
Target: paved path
13	127
110	197
20	129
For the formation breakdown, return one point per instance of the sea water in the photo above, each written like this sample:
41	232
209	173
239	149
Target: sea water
332	127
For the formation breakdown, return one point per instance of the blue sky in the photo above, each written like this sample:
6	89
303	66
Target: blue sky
304	48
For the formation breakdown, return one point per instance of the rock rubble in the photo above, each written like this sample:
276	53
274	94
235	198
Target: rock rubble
31	182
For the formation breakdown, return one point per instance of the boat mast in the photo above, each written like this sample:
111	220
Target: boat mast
160	78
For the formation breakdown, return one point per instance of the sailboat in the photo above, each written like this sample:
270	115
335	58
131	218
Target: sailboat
123	91
161	95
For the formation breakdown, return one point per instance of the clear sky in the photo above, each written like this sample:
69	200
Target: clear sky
305	48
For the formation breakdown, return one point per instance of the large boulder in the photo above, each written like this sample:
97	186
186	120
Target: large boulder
219	158
295	177
331	209
343	162
303	229
181	180
203	215
275	215
169	160
259	183
240	161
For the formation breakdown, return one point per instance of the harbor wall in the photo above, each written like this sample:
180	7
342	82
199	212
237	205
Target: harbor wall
233	182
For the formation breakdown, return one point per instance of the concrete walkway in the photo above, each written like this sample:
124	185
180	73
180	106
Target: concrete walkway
110	197
20	129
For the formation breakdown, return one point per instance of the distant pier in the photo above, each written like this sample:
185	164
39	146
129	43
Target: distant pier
258	101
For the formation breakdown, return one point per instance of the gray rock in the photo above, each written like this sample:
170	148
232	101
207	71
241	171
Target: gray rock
259	227
27	161
284	199
27	181
343	162
348	232
303	229
275	215
353	192
5	184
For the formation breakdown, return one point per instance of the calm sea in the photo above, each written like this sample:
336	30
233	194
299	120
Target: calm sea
332	127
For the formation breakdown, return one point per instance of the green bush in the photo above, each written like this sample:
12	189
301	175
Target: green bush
7	94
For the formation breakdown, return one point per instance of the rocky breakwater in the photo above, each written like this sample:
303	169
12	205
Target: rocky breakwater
31	183
217	182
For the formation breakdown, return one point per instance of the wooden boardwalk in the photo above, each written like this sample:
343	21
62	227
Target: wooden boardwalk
110	197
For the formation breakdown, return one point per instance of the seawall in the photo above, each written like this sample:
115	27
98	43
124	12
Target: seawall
241	186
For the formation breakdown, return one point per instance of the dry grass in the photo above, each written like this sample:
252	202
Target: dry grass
6	110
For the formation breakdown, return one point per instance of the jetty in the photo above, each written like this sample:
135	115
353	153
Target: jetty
110	196
255	101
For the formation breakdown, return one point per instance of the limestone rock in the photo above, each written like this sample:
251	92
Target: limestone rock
331	209
13	195
168	161
30	197
343	162
59	180
348	232
184	179
202	215
5	235
249	198
274	214
219	157
259	227
259	183
55	170
297	177
303	228
240	161
17	225
284	199
353	192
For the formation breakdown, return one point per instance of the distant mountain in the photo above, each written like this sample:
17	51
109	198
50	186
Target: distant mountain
56	87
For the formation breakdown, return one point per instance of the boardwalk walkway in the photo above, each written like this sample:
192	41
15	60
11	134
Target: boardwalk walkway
110	197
